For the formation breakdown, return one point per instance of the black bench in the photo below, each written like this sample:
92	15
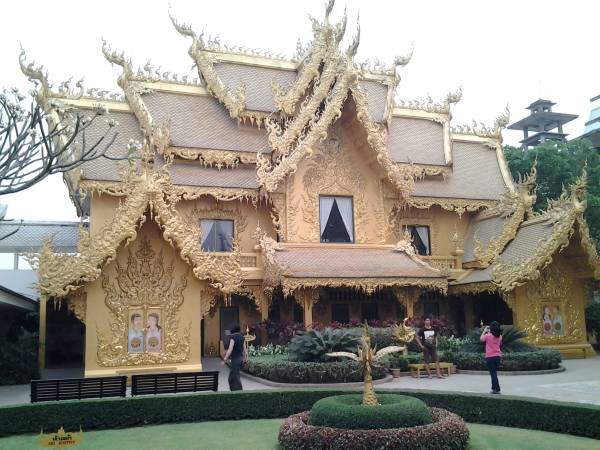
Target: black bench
172	383
77	388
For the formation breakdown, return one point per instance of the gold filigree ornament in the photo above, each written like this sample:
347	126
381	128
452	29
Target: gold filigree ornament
157	136
563	214
551	289
332	172
367	356
146	281
234	101
146	194
515	207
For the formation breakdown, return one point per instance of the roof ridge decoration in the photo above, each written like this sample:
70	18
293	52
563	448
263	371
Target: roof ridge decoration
323	48
517	207
234	101
429	105
146	192
65	89
157	135
482	130
563	212
333	75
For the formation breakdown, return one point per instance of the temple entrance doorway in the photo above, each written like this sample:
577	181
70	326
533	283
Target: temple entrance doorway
65	338
489	306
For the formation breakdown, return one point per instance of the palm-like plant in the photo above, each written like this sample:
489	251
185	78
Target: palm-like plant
512	341
313	345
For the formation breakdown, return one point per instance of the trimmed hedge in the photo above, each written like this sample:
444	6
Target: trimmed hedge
542	359
347	411
545	415
282	370
447	432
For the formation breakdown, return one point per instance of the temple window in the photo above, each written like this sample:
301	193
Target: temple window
421	238
340	312
369	311
336	218
217	235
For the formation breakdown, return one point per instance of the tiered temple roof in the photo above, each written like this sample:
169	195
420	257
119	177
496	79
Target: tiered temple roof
252	120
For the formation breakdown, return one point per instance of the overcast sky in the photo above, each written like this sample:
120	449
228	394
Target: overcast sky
501	53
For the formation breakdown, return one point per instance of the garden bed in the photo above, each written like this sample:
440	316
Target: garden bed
448	431
535	360
279	369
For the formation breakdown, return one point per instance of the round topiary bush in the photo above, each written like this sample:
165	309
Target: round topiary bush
447	431
347	411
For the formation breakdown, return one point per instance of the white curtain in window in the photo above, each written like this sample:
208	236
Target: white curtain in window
423	233
345	206
206	227
325	210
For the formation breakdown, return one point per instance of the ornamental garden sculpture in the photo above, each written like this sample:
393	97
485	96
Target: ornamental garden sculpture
373	422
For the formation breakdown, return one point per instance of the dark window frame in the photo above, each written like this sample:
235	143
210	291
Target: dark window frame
353	218
232	234
415	225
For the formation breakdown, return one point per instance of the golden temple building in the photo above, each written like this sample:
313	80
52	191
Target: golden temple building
298	190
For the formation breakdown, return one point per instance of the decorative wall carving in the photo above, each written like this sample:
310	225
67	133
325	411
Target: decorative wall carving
77	304
147	281
552	290
332	172
214	158
457	205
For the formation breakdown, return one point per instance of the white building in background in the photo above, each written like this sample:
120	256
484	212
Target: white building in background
592	126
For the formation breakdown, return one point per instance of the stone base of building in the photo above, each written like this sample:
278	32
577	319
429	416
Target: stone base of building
574	351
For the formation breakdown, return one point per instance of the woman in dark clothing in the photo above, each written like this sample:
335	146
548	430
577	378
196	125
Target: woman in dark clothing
236	350
492	336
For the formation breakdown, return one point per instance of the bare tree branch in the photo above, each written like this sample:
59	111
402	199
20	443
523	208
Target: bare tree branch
33	147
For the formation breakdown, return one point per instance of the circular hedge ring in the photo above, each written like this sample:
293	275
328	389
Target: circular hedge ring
347	411
448	431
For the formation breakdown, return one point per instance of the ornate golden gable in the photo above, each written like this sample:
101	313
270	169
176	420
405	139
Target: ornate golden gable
516	206
146	285
147	194
563	213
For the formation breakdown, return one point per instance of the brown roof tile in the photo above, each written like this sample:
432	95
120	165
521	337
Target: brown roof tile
256	82
419	141
377	95
475	175
201	122
196	175
322	262
485	230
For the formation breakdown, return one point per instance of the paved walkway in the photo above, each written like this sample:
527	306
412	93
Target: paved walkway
579	383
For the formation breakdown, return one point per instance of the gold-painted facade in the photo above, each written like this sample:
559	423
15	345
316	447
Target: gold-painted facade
143	253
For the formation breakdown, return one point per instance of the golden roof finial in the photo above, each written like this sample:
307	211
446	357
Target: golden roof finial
35	75
355	42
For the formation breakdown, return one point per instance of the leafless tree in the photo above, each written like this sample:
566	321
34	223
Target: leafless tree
33	147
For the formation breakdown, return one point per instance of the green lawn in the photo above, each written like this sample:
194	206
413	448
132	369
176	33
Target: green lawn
262	434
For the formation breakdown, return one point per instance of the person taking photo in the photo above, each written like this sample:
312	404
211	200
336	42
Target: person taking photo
492	337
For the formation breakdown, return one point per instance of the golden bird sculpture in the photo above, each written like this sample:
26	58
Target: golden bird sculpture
366	355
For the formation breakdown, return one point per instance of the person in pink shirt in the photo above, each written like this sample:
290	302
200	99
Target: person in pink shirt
492	336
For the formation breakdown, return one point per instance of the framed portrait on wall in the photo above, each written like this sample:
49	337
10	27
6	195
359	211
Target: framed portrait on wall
552	320
136	333
154	330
